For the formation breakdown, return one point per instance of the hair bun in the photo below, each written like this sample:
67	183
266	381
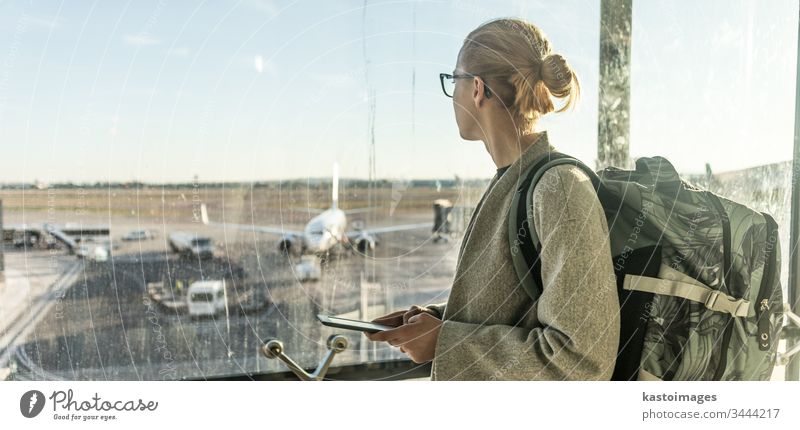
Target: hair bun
524	73
556	74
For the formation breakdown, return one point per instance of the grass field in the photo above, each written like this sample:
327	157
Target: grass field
150	204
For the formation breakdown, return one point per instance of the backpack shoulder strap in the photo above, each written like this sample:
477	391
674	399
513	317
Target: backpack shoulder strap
523	239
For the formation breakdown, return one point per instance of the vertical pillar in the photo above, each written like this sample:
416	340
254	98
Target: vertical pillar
2	245
364	315
613	130
793	368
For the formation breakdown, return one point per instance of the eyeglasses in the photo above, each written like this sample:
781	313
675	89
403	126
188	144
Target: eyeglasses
449	83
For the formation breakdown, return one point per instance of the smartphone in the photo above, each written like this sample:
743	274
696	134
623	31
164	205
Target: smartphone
349	324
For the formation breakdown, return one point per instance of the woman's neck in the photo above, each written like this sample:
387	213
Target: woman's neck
506	148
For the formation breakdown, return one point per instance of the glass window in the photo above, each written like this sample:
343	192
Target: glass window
221	124
201	242
225	131
202	297
712	90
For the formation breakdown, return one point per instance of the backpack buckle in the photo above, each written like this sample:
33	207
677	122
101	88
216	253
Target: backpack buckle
737	308
711	300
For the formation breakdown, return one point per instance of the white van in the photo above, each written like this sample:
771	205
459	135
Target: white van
189	244
206	298
138	235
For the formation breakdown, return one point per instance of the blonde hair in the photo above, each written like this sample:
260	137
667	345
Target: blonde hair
518	65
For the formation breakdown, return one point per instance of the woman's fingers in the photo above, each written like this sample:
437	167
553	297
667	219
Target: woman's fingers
391	322
397	318
413	311
390	316
393	319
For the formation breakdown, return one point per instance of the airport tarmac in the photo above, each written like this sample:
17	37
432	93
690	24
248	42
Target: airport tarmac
104	326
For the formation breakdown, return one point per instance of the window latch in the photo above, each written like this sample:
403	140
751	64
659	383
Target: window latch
273	349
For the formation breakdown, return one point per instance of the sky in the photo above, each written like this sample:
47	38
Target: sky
160	91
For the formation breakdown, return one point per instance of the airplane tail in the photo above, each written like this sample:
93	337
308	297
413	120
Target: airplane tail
335	197
203	213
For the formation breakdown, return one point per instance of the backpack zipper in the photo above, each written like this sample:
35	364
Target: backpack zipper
767	284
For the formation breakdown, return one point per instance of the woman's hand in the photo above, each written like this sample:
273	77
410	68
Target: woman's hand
417	338
398	318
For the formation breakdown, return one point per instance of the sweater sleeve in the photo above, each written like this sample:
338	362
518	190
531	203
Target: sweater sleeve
578	312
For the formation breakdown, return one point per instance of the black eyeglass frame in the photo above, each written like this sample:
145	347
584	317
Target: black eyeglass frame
443	76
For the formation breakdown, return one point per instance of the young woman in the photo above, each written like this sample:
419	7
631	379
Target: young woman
507	77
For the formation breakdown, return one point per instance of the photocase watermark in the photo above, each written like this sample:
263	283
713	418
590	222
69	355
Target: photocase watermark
64	403
375	287
168	371
53	251
60	293
633	237
205	119
332	82
65	400
87	118
152	20
197	201
681	257
31	403
501	371
398	286
202	133
546	184
399	187
650	311
11	59
522	235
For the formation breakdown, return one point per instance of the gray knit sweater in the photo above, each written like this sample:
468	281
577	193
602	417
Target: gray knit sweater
492	330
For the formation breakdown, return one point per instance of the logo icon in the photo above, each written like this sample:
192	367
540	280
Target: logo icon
31	403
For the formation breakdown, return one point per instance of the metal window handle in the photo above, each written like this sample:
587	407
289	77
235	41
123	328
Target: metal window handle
273	349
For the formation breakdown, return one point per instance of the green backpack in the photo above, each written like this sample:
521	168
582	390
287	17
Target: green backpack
698	275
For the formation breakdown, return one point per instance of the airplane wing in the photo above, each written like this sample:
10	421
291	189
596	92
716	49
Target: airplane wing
359	210
307	210
390	229
247	227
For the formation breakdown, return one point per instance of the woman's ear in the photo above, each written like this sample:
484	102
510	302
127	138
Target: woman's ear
487	93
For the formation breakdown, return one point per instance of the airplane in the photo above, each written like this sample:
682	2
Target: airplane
323	232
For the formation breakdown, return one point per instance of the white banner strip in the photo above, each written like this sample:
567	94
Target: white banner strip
398	405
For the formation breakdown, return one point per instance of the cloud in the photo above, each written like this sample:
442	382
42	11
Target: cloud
346	79
261	65
266	6
140	40
48	22
180	51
